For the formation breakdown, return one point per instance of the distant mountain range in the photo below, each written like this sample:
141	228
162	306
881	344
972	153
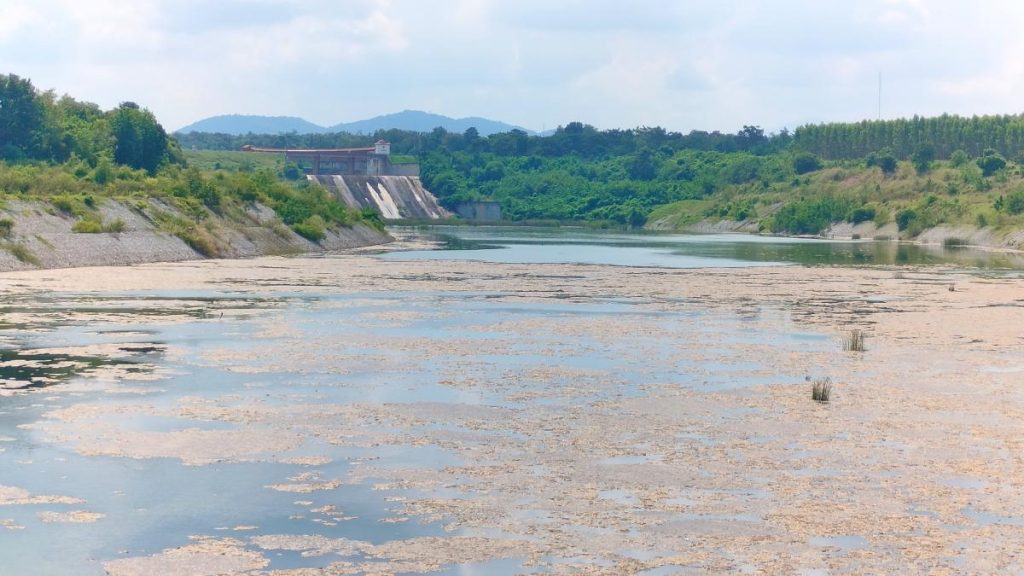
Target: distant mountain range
412	120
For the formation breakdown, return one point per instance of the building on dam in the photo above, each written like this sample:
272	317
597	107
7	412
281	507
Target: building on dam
370	161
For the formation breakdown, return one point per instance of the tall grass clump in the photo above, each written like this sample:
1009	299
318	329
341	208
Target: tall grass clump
821	389
853	341
21	252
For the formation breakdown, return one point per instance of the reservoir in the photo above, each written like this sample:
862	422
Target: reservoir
512	401
540	245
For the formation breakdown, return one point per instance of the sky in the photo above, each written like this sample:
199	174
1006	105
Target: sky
683	65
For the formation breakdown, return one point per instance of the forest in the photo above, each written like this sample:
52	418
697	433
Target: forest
799	182
917	172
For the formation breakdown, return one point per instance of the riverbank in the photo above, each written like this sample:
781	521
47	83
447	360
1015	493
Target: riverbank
946	203
965	235
138	231
597	419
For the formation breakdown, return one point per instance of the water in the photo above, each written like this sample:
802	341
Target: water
526	245
178	413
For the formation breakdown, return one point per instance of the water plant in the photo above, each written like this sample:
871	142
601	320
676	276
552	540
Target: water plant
821	389
853	341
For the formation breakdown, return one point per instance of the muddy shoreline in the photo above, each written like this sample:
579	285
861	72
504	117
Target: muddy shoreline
566	467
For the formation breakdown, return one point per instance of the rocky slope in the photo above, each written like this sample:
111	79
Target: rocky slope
154	231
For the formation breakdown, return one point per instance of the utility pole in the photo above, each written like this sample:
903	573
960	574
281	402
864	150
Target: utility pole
879	95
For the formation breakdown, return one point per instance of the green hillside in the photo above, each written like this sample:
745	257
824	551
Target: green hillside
74	156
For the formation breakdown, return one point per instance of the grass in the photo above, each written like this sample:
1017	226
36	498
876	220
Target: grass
95	226
821	389
233	161
21	252
915	202
853	341
191	233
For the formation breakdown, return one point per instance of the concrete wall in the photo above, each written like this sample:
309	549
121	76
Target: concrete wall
479	211
395	197
404	170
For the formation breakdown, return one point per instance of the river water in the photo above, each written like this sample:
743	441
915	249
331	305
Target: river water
137	422
537	245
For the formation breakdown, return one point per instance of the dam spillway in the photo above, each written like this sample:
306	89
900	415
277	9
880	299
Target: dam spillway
395	197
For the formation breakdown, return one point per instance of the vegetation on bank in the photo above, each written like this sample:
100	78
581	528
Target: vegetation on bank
849	192
75	156
916	173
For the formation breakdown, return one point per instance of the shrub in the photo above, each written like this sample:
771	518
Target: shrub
904	218
990	163
115	226
883	159
862	214
312	229
68	205
6	227
821	389
1014	202
199	240
810	216
805	162
88	226
21	252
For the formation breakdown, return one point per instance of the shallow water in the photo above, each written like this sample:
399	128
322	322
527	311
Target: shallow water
526	245
279	350
554	425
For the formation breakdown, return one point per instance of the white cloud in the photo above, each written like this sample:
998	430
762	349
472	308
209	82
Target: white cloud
694	64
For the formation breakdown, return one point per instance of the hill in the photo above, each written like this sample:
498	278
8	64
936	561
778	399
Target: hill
246	124
407	120
419	121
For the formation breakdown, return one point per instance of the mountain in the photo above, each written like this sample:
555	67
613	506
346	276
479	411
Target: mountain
419	121
411	120
244	124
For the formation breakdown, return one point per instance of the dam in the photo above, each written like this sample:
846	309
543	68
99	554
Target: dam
366	178
395	197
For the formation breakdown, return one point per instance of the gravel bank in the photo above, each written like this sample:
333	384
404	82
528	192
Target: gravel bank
42	237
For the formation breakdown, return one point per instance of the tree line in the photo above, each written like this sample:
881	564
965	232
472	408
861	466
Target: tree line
944	134
37	125
573	139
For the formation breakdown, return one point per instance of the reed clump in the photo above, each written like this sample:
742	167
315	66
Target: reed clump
853	341
821	389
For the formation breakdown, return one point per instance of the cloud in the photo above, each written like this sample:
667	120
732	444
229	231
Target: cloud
688	64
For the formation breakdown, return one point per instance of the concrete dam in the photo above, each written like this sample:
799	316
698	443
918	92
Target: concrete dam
366	178
395	197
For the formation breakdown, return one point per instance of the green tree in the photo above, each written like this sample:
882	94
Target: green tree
21	118
958	158
884	159
805	162
923	157
990	162
139	140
